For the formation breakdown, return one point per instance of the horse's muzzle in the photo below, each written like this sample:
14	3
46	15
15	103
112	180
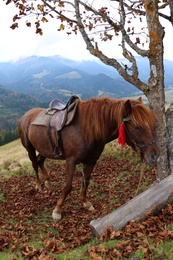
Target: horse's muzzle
150	154
151	159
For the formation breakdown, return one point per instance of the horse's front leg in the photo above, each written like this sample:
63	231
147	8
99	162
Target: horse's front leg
87	170
69	172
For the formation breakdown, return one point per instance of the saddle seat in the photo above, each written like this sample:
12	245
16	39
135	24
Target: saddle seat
62	114
57	104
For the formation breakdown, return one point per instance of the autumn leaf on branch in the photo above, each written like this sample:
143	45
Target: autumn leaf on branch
90	26
62	27
14	26
40	7
44	20
138	40
28	24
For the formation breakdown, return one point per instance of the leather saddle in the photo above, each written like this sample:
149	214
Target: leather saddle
62	114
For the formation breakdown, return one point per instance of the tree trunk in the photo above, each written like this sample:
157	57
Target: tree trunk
171	11
169	122
148	202
155	93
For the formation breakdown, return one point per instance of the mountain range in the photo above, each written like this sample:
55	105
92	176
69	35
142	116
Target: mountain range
46	78
35	81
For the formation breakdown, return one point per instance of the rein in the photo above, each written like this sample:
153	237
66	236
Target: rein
135	144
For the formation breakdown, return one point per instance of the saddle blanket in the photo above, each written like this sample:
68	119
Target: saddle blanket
43	118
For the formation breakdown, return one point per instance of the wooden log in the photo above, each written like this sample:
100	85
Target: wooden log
148	202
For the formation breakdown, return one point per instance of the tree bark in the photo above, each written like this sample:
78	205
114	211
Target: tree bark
171	11
169	123
155	94
148	202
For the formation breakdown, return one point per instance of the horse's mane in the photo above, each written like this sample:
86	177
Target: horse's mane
97	115
142	116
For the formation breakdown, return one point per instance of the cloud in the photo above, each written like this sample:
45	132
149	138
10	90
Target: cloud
23	41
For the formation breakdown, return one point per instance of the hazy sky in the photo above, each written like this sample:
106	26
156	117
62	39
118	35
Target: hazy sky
23	42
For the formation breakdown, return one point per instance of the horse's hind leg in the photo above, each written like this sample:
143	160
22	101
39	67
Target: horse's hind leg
33	158
41	160
87	170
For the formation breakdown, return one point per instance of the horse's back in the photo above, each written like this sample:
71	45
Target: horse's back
31	114
25	122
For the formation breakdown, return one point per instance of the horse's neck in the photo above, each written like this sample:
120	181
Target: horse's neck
98	123
112	135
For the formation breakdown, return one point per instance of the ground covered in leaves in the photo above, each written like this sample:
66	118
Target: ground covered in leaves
27	229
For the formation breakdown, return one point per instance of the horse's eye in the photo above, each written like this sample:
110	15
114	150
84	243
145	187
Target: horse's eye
137	128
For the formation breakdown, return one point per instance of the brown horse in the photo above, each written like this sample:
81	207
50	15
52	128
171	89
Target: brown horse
96	123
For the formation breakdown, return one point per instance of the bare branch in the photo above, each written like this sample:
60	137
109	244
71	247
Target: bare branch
103	15
94	50
171	11
53	8
127	54
125	36
142	12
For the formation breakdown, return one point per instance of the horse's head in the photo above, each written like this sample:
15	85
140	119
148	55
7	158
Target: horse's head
138	122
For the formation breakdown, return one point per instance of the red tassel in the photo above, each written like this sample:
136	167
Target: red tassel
121	135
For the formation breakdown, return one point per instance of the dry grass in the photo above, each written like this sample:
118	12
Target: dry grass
13	151
13	159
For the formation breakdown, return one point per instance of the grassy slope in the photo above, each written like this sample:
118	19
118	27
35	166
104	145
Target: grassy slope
14	155
13	151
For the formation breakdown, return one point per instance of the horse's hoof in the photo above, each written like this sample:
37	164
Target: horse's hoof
56	215
47	184
38	188
87	205
91	208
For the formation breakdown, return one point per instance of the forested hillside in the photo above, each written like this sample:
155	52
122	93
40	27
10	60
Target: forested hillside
12	106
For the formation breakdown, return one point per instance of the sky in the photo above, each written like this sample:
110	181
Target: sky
23	42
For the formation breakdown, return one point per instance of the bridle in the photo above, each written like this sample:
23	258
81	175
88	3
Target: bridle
126	119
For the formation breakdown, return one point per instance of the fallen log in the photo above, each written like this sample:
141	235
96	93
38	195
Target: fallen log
148	202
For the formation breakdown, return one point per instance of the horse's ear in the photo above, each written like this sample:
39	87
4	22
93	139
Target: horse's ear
140	99
127	108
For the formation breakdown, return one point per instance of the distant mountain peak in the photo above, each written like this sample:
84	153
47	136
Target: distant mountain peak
70	75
